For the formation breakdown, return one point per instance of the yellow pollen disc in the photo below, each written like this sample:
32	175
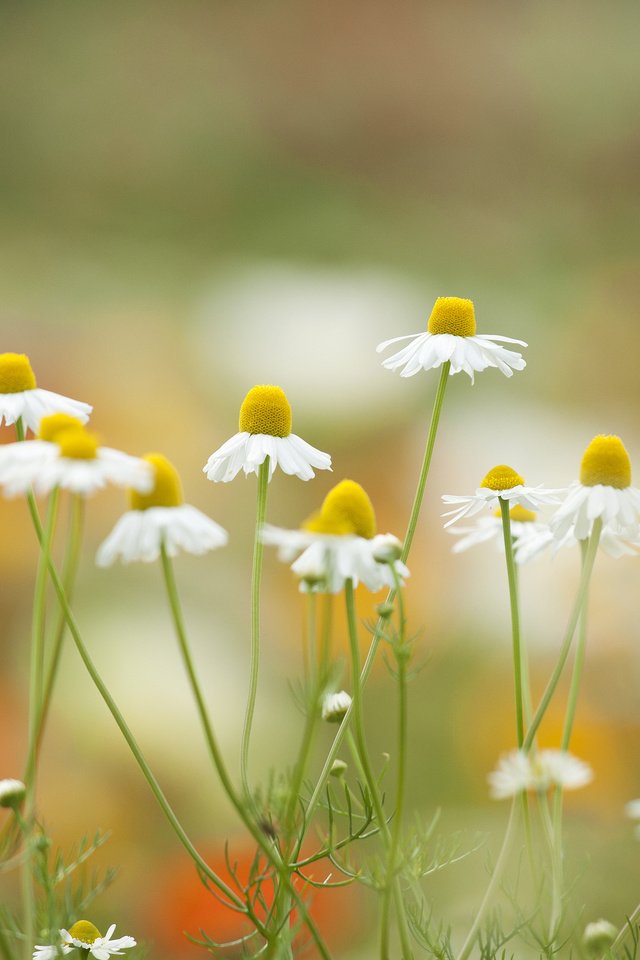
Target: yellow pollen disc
167	489
77	444
54	423
606	461
16	374
337	526
521	515
84	930
453	315
502	478
347	510
265	409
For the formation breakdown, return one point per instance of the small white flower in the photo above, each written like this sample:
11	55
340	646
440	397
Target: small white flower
45	952
335	706
265	431
501	483
21	398
535	541
71	459
451	336
11	792
598	937
160	517
524	527
85	936
339	544
518	771
604	492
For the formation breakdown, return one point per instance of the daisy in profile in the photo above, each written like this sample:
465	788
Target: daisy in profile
160	517
22	399
604	491
451	337
518	771
524	526
85	936
265	431
68	456
501	483
340	543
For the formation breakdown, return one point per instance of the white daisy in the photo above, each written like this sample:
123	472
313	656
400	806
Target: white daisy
604	491
84	935
518	771
501	483
160	517
67	456
339	544
265	431
335	706
21	398
523	526
451	336
537	540
11	792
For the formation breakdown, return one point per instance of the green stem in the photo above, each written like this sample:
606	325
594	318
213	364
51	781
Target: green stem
578	665
256	576
557	865
5	949
515	617
493	884
578	606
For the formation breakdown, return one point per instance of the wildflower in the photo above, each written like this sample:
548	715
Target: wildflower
451	336
523	525
265	431
11	792
598	937
337	544
68	456
335	706
160	517
518	771
21	398
604	491
530	545
84	935
501	483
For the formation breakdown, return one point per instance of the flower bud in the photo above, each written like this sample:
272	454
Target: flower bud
598	937
11	793
388	549
338	768
335	706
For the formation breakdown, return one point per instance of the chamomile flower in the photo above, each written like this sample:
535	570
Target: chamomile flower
537	540
265	431
85	936
523	525
451	336
66	455
518	771
604	491
11	792
501	483
160	517
339	543
21	398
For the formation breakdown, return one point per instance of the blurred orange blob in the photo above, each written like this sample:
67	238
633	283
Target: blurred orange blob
182	905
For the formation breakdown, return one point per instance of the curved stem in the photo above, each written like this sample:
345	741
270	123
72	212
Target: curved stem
578	606
256	576
493	884
515	617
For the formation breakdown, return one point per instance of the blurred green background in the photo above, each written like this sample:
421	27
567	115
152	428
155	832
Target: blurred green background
201	196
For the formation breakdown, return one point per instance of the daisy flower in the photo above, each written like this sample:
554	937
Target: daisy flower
451	336
11	792
21	398
524	525
85	936
66	455
160	517
604	491
531	544
518	771
501	483
265	431
335	706
339	543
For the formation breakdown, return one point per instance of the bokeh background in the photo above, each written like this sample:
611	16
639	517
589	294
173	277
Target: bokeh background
201	196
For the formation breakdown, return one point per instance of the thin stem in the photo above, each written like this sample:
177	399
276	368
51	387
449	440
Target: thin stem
579	604
515	617
557	865
578	665
493	884
256	576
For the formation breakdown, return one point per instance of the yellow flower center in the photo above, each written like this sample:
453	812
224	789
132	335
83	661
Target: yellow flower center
502	478
77	444
16	374
518	513
265	409
453	315
85	931
167	489
345	510
54	423
606	461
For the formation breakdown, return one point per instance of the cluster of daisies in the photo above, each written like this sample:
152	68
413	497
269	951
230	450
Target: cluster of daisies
339	543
